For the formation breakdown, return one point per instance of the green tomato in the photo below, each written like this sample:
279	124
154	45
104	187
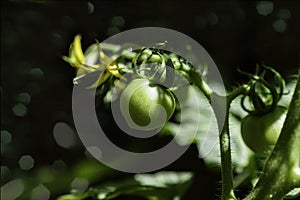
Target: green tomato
146	105
260	133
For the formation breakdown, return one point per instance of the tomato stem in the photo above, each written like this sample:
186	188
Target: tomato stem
224	138
226	163
201	84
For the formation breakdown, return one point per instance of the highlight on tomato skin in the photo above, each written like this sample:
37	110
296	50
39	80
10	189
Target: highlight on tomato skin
260	133
146	104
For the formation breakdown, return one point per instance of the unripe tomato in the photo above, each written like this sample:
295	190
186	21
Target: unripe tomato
146	105
260	133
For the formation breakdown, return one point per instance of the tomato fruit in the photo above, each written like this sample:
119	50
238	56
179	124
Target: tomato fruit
260	133
146	105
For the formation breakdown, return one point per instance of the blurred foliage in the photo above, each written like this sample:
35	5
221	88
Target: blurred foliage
162	185
41	154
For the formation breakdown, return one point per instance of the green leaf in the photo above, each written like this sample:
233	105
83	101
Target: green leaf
161	185
293	194
73	197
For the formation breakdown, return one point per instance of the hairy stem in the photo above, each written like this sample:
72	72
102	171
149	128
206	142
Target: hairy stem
281	172
218	104
226	163
201	84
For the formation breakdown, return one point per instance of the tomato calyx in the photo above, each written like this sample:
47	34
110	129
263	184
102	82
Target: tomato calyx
262	94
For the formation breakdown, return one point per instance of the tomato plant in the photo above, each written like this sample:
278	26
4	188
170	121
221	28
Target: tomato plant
270	130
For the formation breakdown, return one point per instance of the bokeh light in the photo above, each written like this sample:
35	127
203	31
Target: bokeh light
63	135
264	7
280	25
80	184
6	137
40	192
24	98
26	162
19	110
12	189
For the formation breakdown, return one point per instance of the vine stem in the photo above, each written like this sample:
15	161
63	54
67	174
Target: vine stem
224	138
281	172
201	84
226	163
225	147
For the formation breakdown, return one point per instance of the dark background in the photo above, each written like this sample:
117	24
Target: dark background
34	35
